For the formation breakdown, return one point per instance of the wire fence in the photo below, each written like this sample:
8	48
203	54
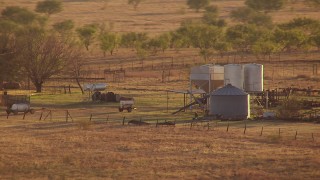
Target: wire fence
273	130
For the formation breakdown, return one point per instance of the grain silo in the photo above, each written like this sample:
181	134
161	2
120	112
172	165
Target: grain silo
253	77
234	75
230	102
207	77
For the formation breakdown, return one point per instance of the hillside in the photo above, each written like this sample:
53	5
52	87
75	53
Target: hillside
152	16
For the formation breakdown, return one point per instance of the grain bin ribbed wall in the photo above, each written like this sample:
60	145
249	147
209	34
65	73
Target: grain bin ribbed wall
253	77
234	75
230	102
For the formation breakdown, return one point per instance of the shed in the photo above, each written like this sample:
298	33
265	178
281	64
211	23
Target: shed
230	102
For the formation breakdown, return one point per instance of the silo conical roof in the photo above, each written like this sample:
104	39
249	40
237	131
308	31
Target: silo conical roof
229	90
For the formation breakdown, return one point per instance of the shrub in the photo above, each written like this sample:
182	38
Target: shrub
289	108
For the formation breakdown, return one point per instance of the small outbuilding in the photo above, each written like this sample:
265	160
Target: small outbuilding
230	102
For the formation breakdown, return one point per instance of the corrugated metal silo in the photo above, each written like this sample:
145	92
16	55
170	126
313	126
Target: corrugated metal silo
234	75
207	77
230	102
253	77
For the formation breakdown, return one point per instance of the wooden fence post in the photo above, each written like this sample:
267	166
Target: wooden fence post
312	137
124	118
41	116
90	117
295	137
245	128
67	116
261	131
228	127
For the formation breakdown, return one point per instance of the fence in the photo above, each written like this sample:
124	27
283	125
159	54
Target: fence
274	131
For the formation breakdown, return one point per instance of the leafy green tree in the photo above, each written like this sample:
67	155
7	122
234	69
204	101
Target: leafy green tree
248	15
243	36
308	25
18	15
42	55
49	7
135	3
210	16
109	42
9	67
198	4
265	46
289	40
161	42
315	40
64	27
87	34
202	36
265	5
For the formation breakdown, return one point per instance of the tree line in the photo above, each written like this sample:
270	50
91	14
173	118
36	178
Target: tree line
30	48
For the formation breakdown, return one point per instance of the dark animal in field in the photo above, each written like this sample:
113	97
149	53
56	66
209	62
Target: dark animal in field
136	122
167	123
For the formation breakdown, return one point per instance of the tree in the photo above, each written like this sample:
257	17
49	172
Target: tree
315	40
49	7
87	34
243	36
63	26
18	15
313	3
135	3
75	68
108	42
198	4
9	67
248	15
308	25
265	5
292	39
42	55
265	46
210	17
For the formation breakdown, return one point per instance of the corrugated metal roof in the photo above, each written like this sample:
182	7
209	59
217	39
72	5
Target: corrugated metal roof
229	90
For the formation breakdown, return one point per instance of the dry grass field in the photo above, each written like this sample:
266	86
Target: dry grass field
112	151
104	148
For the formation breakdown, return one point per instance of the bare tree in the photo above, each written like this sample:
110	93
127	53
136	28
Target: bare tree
75	68
42	55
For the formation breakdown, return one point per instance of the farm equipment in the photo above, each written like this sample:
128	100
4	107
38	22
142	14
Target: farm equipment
126	104
21	107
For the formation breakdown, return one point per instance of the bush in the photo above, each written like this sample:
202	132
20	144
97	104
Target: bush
289	108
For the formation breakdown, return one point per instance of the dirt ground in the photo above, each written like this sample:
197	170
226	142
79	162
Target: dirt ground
108	150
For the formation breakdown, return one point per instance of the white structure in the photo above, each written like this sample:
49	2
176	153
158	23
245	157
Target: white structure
95	87
234	75
253	77
207	77
230	102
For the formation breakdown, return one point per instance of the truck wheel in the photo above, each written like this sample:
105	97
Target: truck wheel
129	109
120	109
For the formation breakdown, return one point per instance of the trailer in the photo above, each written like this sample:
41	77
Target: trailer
126	104
21	107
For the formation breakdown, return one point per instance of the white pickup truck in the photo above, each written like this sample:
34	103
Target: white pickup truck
126	104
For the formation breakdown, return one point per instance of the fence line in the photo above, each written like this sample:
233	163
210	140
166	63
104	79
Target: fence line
216	125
